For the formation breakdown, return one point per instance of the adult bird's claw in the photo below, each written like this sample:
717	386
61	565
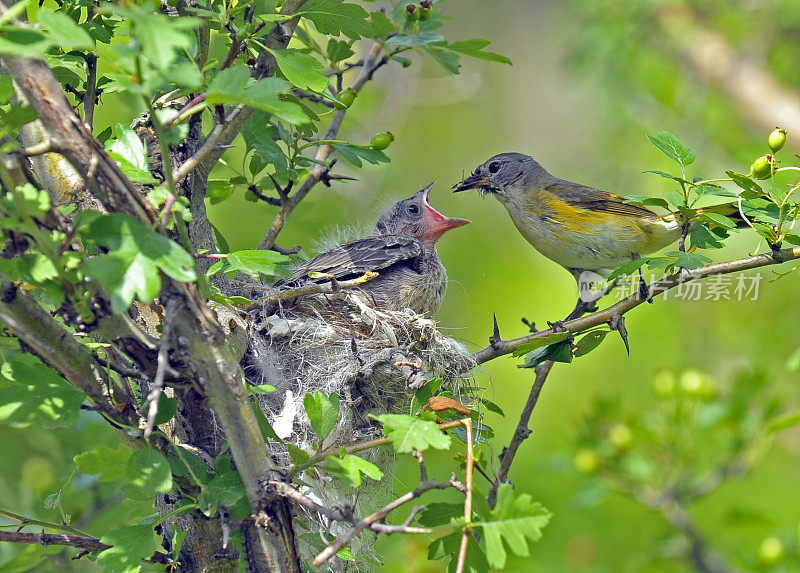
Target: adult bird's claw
617	323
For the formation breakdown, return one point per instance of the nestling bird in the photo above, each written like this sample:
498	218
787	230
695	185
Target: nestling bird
402	249
578	227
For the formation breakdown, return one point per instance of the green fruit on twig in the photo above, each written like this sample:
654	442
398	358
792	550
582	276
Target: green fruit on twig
425	10
411	12
763	167
777	139
382	140
347	97
770	551
586	461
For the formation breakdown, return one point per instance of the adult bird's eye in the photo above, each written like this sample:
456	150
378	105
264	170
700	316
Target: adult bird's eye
494	167
413	209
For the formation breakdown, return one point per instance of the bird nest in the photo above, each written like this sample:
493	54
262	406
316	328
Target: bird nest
373	359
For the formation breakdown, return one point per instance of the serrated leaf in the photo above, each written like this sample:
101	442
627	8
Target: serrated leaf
301	69
688	260
475	559
261	137
349	469
130	546
381	24
335	17
225	489
746	183
516	520
252	262
475	48
63	31
322	412
37	395
110	464
670	146
234	85
439	513
409	433
628	268
136	254
130	153
339	50
149	472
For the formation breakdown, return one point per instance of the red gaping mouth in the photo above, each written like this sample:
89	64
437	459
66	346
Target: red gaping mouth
437	224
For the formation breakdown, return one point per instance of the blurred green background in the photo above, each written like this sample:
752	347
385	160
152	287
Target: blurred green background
589	80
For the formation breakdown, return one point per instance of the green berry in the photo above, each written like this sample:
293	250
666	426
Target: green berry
586	461
411	12
382	140
347	97
763	167
620	435
777	139
770	551
425	10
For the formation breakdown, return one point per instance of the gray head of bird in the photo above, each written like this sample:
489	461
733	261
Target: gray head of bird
415	217
505	176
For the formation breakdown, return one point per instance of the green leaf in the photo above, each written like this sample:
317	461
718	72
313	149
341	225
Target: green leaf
322	412
219	190
130	546
475	48
252	262
355	153
37	395
669	145
381	24
167	407
350	468
559	352
688	260
475	561
647	201
589	342
17	115
539	342
225	489
262	138
409	433
628	268
334	17
718	220
63	31
439	513
23	41
130	153
149	472
339	50
746	183
177	131
300	69
136	254
110	464
515	520
450	61
234	85
6	89
415	40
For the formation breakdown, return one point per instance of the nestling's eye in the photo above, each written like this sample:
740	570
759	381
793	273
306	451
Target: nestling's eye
494	167
413	209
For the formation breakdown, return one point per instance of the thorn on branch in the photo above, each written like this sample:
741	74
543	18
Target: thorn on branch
617	322
266	198
531	325
495	339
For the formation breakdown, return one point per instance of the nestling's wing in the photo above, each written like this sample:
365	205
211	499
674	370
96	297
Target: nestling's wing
596	200
355	258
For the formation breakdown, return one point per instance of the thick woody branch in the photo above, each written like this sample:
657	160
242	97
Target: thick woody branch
81	542
613	313
318	171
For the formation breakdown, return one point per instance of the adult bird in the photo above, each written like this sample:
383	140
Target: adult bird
579	227
401	249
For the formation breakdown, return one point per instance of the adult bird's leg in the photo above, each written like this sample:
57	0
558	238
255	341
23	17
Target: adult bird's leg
644	290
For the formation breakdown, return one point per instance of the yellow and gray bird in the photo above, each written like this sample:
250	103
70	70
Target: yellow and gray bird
578	227
402	250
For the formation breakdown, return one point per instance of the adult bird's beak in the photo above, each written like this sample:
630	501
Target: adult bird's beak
435	223
472	182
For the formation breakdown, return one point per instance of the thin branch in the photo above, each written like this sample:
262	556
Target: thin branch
381	514
522	431
90	96
23	521
81	542
162	365
503	347
319	170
